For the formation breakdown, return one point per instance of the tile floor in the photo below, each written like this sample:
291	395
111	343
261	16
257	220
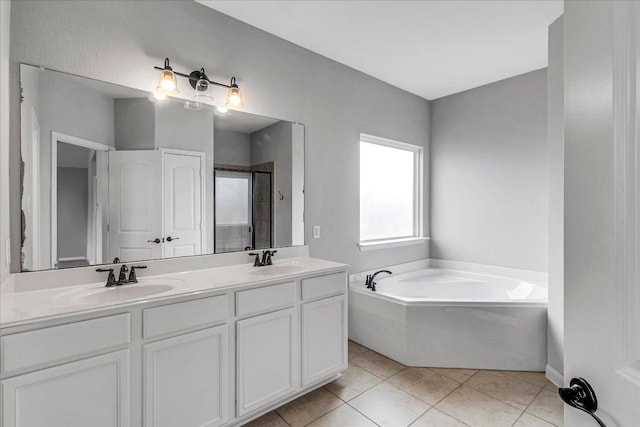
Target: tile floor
376	391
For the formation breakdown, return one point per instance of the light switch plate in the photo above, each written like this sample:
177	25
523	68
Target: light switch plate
316	231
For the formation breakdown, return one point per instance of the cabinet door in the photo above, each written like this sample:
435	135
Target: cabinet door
324	338
267	363
91	392
185	382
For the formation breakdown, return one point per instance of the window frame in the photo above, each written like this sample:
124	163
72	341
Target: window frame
418	195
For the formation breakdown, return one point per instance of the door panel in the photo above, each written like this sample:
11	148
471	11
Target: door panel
267	368
135	198
186	380
601	289
90	392
182	205
324	337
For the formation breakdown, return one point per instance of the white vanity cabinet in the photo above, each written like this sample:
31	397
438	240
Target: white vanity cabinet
70	388
213	358
324	327
267	345
185	381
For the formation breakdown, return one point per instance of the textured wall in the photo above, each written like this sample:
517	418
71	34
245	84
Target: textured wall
120	42
489	174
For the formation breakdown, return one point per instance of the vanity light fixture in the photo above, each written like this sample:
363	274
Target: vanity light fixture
234	97
168	85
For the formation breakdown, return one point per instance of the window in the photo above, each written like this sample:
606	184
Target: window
390	193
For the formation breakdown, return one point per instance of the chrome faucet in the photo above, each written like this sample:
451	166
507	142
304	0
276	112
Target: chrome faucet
370	279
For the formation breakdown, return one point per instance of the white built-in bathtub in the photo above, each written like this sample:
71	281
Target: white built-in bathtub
448	317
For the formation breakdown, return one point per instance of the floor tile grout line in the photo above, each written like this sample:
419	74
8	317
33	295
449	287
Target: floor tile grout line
446	413
361	413
502	401
527	409
326	413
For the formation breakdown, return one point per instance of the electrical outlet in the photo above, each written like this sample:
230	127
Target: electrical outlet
316	231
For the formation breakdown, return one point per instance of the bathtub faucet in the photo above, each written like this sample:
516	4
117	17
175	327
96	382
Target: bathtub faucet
370	283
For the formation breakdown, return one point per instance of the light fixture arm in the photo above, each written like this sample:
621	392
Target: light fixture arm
195	75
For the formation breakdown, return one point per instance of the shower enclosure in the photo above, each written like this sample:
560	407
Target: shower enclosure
243	210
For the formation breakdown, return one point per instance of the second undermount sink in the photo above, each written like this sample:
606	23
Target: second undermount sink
273	270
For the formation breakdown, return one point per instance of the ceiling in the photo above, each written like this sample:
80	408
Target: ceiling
429	48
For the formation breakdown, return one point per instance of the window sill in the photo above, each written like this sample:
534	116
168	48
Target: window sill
386	244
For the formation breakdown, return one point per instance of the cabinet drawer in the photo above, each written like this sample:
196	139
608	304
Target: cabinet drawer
59	343
267	298
322	286
183	316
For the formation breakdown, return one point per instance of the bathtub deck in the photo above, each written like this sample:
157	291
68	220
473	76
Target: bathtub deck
376	390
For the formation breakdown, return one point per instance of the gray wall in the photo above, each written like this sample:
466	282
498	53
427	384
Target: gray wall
273	144
489	174
120	42
232	148
555	310
73	191
179	128
135	120
71	108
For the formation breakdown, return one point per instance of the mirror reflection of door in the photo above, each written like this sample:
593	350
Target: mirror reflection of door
80	221
156	201
242	210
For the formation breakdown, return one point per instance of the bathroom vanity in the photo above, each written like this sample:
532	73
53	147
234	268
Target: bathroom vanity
208	347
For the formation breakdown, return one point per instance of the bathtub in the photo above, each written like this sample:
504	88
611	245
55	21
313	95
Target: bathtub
490	318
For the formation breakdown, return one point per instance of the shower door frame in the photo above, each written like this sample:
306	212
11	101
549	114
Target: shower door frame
253	208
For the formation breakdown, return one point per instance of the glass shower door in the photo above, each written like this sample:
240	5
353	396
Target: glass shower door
233	211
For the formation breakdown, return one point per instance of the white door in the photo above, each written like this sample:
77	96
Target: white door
185	382
135	205
183	204
91	392
324	338
267	368
602	305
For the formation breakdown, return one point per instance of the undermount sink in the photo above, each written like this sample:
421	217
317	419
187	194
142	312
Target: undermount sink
145	288
273	270
119	293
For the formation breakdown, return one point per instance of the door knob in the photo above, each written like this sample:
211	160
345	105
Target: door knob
169	239
580	395
156	240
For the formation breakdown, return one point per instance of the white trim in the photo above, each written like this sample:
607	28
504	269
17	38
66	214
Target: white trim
73	140
392	243
554	376
418	196
203	191
626	232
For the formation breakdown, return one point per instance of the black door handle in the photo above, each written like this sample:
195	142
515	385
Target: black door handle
156	240
169	239
580	395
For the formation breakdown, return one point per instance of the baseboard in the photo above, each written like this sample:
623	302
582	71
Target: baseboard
554	376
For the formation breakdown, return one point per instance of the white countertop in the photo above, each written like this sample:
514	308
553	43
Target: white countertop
19	308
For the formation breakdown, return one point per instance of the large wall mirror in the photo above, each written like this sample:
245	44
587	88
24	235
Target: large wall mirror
108	172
